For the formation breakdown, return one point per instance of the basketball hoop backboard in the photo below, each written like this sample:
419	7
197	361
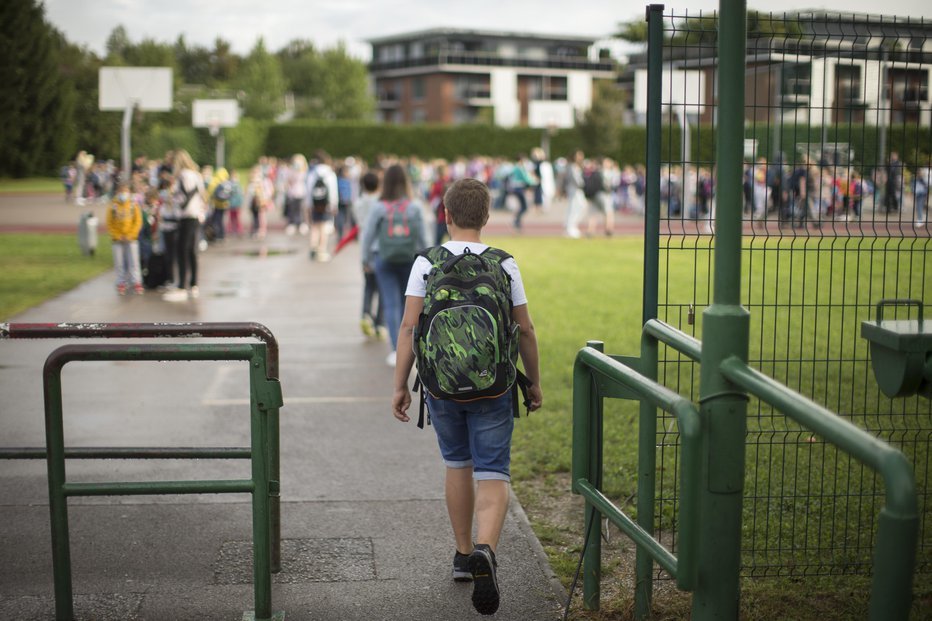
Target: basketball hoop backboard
215	113
148	88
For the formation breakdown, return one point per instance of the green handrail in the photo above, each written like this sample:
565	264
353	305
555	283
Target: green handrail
895	548
590	362
265	396
654	332
897	535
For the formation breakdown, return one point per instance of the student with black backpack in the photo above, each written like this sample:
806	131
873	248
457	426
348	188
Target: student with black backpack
466	321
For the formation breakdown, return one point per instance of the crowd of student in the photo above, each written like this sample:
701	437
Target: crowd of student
807	192
182	207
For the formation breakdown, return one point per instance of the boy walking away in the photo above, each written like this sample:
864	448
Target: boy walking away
457	295
124	220
371	324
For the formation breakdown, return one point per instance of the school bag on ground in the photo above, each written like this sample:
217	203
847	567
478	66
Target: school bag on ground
398	239
466	342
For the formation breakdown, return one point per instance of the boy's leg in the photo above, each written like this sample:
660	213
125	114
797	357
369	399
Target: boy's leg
460	496
491	509
119	262
135	271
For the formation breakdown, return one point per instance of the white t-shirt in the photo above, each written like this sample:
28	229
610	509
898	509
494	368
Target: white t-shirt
417	287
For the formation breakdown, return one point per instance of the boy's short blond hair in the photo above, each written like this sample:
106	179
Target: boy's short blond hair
467	203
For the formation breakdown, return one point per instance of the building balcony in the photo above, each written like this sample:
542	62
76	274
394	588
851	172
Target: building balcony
484	59
475	95
387	101
794	99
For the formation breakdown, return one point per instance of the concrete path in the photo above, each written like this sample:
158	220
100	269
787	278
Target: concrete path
364	525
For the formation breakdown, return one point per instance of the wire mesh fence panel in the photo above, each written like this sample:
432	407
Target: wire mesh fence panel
838	151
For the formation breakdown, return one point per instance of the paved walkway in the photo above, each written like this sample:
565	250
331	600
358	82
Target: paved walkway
364	523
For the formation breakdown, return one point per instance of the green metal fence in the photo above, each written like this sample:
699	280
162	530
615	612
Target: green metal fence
832	224
191	329
696	566
265	396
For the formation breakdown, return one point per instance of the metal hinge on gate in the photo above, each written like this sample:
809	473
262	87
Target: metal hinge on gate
269	395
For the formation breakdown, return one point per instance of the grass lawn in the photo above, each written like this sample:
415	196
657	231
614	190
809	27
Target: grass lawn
592	290
36	267
31	184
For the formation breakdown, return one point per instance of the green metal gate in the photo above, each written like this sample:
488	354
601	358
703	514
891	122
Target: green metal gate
832	225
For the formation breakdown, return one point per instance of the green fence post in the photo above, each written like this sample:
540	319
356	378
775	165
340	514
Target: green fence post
652	180
725	329
646	486
592	563
647	421
261	519
58	501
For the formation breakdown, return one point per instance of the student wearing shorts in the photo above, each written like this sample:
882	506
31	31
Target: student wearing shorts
474	436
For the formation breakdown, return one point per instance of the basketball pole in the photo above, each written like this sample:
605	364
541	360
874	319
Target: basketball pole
217	132
125	138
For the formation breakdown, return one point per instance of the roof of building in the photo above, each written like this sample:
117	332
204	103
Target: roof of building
432	33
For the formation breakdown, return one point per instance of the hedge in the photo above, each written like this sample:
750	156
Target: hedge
251	138
425	141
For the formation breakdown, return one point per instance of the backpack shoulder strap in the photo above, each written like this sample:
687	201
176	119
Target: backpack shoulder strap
496	254
435	254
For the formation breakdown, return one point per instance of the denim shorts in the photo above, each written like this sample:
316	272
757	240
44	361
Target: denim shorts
475	434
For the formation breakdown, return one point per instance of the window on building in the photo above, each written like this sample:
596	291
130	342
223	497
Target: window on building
417	88
909	91
472	86
849	95
416	50
796	86
391	53
465	114
545	88
418	115
848	84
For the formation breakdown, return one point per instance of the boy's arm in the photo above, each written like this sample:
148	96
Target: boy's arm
527	348
401	398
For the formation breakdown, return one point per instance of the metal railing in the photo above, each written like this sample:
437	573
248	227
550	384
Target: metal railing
92	330
597	376
491	59
265	396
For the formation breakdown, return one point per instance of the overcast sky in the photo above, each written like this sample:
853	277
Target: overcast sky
241	22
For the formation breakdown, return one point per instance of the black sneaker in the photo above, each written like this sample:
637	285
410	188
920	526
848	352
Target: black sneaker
461	571
485	588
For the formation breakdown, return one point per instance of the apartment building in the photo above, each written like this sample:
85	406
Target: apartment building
454	76
829	68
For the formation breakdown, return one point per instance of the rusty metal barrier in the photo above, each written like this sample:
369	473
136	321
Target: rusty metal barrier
92	330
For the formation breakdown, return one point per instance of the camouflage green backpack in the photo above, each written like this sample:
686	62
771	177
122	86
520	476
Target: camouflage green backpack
466	343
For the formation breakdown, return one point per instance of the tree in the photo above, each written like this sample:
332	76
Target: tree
262	84
632	32
95	131
329	85
344	86
193	62
224	63
299	61
117	42
36	105
601	126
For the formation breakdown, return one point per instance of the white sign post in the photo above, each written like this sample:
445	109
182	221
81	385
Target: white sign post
128	88
215	114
